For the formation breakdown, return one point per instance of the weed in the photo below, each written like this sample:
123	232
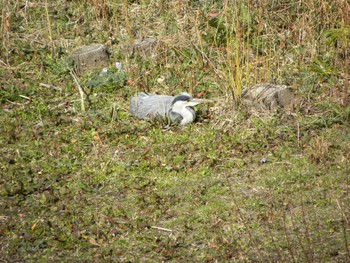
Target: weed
98	185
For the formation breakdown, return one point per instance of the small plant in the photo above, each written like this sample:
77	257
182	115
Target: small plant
339	35
318	150
321	68
111	80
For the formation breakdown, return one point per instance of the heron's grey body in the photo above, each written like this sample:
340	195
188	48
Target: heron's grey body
178	109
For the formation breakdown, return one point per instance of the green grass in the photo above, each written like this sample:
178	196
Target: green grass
101	186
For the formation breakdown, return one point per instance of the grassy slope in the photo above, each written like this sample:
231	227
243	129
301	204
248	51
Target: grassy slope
86	186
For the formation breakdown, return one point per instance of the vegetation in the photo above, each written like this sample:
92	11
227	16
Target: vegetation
94	184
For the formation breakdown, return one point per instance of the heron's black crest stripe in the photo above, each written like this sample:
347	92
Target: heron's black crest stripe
181	97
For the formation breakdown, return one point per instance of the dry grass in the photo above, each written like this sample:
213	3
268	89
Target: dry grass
97	185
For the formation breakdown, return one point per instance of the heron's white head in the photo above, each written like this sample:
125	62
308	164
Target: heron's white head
183	103
185	100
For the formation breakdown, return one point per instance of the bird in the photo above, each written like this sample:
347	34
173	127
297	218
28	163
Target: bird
178	109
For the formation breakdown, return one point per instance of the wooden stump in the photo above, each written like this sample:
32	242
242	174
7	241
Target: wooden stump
270	96
92	56
145	47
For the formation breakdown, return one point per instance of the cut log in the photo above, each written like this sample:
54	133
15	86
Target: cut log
144	47
92	56
271	96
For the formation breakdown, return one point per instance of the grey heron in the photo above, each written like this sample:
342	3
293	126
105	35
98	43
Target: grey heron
177	108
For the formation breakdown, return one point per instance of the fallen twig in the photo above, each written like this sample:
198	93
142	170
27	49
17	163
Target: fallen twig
161	228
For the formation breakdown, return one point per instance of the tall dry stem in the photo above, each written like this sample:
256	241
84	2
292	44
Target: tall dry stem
128	25
236	58
5	21
49	29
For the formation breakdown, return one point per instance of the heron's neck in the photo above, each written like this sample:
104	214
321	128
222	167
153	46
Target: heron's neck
187	113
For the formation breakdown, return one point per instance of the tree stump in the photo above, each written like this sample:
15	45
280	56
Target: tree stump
270	96
88	57
145	47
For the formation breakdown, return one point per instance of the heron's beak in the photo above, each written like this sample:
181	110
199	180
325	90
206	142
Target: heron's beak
196	101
